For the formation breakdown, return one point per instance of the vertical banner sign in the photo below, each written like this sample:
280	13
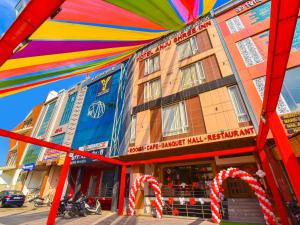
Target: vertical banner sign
94	129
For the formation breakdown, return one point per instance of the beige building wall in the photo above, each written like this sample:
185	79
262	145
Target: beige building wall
143	128
169	72
218	110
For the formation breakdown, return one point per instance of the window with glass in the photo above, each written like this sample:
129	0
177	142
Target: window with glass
32	154
152	90
65	118
187	48
238	104
235	24
132	129
151	65
192	75
107	183
92	186
46	119
174	119
249	52
12	157
187	180
289	99
58	139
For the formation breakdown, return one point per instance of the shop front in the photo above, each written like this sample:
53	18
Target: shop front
186	184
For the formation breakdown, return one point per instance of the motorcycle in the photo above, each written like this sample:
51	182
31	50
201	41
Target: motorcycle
39	202
62	206
75	207
96	210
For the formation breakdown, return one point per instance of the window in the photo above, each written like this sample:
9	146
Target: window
282	106
32	154
20	6
68	109
249	52
58	139
132	129
12	157
151	64
152	90
187	48
235	24
46	119
192	75
92	186
174	119
239	107
289	99
107	183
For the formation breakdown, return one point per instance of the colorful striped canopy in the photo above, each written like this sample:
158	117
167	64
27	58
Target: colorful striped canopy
93	34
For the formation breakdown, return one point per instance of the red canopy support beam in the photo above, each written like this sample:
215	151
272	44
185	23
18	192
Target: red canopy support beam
122	191
286	152
274	189
46	144
59	190
284	16
35	13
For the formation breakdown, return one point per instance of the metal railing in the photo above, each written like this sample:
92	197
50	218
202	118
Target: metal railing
186	191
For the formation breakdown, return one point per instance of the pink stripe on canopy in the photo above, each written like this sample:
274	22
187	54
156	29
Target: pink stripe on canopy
39	48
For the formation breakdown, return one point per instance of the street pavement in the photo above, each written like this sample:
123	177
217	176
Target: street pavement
29	215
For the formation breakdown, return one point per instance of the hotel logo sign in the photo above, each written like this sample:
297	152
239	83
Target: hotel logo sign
195	140
105	84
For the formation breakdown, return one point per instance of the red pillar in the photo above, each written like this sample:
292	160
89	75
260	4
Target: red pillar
274	189
122	190
286	152
59	190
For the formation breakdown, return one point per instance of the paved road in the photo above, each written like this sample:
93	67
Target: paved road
27	215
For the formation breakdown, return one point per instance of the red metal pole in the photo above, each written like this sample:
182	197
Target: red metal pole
59	190
122	190
274	189
286	152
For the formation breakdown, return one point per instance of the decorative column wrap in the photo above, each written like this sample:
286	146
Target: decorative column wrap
152	184
255	186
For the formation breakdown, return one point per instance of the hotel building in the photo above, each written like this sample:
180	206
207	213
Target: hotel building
186	99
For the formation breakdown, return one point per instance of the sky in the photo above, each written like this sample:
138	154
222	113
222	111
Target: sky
14	108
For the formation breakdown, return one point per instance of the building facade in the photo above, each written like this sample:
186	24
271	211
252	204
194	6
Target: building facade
94	133
12	176
245	29
186	100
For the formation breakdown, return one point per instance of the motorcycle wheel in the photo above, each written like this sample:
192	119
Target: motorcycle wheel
36	204
68	215
83	213
99	211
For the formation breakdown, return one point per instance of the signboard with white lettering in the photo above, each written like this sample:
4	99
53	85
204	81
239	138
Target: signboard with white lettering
195	140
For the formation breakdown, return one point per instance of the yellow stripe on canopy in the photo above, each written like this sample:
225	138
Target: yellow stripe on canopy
37	60
208	5
54	30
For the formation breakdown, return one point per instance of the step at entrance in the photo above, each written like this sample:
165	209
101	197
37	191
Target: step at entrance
245	210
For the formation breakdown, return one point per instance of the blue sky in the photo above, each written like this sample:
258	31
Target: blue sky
14	108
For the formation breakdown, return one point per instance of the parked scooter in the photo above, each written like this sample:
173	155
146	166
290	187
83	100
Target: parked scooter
75	207
96	210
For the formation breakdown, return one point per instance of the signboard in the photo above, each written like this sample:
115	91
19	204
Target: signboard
51	154
95	123
195	140
28	167
77	159
247	5
291	122
94	146
177	38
